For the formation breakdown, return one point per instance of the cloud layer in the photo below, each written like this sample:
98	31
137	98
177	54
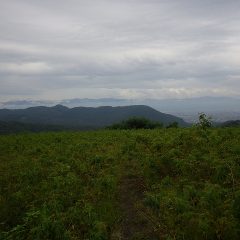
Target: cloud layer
131	48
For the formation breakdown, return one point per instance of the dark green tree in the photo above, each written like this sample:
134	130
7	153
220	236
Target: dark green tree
172	125
136	123
204	121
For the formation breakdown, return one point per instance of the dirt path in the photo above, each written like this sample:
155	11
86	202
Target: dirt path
134	223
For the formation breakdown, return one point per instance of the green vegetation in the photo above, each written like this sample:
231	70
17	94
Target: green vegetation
121	184
136	123
172	125
19	127
204	121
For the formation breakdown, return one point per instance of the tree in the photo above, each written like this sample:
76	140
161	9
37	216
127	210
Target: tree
204	121
173	125
136	123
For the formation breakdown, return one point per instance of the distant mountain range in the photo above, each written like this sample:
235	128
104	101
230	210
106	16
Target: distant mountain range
235	123
220	108
82	117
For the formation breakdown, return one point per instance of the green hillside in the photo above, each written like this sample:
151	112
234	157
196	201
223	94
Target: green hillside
85	117
121	184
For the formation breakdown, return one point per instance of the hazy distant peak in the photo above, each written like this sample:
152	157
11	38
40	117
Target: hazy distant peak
60	107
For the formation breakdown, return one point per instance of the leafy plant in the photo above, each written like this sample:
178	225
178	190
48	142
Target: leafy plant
204	121
177	183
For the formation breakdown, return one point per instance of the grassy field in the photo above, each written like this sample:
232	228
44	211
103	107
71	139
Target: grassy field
121	184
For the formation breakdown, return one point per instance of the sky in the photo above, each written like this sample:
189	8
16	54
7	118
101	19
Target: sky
134	49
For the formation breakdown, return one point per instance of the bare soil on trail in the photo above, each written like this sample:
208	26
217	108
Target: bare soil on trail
134	224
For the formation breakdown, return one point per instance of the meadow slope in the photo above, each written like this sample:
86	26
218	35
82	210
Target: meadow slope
121	184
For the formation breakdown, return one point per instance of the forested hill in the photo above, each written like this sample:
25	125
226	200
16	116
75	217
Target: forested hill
85	116
233	123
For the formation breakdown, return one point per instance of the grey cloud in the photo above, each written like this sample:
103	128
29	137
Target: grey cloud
134	48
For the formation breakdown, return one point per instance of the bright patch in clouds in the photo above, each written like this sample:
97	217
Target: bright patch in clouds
26	68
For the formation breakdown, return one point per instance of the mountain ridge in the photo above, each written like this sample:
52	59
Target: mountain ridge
219	108
85	116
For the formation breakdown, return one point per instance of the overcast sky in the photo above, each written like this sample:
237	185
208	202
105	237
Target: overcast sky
57	49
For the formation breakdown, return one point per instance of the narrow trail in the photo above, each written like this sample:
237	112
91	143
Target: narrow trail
134	224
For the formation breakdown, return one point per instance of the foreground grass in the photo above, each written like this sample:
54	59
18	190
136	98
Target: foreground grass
144	184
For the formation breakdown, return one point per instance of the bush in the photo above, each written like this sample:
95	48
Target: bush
204	121
136	123
172	125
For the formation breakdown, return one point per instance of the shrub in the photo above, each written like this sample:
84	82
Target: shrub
204	121
136	123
